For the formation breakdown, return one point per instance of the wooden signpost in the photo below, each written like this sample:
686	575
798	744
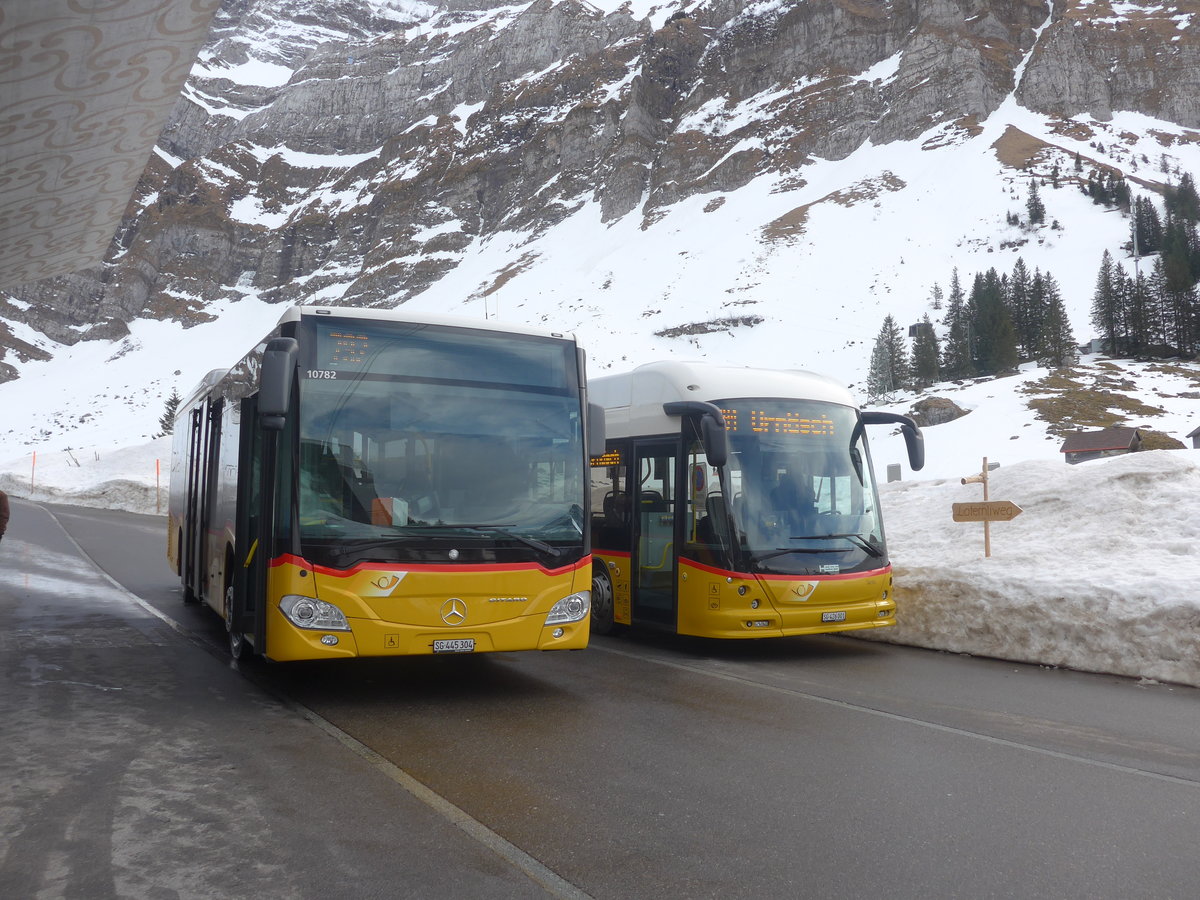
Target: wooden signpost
986	512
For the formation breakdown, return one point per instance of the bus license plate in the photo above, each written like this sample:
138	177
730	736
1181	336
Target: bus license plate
458	645
833	617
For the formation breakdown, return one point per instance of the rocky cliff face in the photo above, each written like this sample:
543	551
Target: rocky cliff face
353	152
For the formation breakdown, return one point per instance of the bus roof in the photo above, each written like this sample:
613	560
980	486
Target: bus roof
295	313
633	400
211	378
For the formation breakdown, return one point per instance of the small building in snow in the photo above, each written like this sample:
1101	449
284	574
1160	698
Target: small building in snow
1084	445
1195	436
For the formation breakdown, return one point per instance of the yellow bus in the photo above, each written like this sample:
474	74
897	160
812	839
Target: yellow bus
737	503
367	483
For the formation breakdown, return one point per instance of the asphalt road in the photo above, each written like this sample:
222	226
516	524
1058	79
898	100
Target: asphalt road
657	766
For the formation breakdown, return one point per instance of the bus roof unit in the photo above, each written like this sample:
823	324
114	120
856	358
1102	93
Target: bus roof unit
634	400
405	316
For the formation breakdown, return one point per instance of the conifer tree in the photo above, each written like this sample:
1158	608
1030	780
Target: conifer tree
956	349
1026	309
166	422
925	368
1146	228
889	367
1182	200
1162	310
1179	284
995	337
1106	312
936	297
1034	206
1137	314
1057	340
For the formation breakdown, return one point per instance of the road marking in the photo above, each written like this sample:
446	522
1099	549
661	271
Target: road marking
897	717
546	878
553	883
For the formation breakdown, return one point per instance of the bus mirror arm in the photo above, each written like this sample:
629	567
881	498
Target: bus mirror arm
275	388
712	427
913	439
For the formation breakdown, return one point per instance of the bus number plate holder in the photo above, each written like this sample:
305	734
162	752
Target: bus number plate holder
833	616
456	645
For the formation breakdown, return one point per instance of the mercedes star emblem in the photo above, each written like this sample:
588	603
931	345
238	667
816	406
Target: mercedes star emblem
454	611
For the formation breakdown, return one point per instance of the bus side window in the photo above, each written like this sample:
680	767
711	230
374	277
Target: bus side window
611	507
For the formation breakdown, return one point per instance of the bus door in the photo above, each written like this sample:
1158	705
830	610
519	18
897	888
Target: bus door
253	544
204	441
209	496
192	526
654	568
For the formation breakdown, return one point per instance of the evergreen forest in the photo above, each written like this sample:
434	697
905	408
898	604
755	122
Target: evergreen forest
1003	319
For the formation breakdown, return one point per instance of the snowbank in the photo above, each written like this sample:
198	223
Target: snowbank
1098	573
134	479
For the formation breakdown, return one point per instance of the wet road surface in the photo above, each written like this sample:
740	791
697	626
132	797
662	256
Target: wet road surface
656	766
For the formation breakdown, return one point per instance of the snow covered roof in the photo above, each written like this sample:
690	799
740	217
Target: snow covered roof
1104	439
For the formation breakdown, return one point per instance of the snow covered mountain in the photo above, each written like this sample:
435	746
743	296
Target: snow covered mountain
746	182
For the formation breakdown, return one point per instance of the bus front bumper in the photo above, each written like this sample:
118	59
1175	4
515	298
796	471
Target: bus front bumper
372	637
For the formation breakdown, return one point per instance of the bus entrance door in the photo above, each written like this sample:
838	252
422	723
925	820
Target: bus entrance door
253	539
654	566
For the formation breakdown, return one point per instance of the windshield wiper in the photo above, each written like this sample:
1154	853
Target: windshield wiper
348	548
540	546
362	545
784	551
857	539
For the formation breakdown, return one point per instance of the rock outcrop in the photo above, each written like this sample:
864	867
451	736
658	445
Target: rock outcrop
352	152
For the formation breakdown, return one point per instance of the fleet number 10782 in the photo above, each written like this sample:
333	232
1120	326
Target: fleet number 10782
322	373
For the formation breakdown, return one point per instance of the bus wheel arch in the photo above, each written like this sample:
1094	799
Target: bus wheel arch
602	600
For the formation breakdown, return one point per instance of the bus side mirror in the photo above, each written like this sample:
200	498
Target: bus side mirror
913	439
595	429
275	383
715	439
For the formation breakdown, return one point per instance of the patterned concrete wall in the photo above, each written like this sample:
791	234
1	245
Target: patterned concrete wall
85	88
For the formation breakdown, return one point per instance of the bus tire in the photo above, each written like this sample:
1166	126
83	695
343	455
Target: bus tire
602	601
238	646
189	596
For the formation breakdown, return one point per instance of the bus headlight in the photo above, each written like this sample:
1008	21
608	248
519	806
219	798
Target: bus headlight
570	609
306	612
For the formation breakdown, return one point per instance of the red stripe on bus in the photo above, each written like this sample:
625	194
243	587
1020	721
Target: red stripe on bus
731	574
290	559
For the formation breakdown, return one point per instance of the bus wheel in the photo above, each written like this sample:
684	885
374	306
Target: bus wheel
189	596
602	601
237	640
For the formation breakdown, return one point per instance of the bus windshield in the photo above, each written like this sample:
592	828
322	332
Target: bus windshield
804	498
416	443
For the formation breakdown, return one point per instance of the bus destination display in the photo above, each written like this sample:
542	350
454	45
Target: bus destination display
345	348
777	422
